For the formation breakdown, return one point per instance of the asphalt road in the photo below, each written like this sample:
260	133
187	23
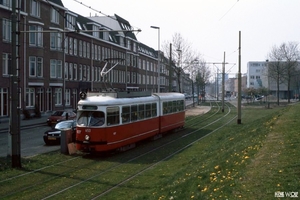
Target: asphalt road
32	142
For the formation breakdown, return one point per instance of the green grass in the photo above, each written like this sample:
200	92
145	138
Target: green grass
251	160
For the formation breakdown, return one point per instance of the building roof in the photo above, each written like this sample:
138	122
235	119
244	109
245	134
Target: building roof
58	2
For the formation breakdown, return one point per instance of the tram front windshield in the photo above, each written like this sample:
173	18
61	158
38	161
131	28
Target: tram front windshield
90	118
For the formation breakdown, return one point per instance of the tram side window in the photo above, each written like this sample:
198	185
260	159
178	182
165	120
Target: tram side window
113	115
133	112
170	107
154	110
174	106
148	110
141	111
125	114
165	108
180	104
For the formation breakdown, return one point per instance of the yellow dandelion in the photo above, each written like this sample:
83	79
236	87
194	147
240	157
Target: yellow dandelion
217	167
280	171
278	185
204	189
192	197
246	157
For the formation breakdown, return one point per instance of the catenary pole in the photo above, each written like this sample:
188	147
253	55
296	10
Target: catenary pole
223	82
239	120
14	123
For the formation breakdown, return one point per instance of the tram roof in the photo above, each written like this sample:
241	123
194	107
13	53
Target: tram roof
169	96
108	100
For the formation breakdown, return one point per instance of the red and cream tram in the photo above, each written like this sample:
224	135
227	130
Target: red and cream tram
116	121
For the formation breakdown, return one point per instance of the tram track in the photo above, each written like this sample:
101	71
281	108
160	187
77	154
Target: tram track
170	146
24	127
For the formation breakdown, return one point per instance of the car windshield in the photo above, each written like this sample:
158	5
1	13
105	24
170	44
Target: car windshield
59	113
91	118
64	125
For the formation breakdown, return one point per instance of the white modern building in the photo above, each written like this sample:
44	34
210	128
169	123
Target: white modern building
257	75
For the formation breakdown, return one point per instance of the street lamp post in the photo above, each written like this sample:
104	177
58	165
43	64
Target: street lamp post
158	57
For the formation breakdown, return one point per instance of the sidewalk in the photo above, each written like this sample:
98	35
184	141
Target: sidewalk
4	122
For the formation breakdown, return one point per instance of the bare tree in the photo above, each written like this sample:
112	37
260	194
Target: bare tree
283	65
181	54
275	68
202	77
290	55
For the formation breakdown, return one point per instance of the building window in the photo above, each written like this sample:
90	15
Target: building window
75	47
5	62
35	8
84	72
55	41
70	22
30	94
96	31
88	50
6	30
84	49
66	45
80	72
70	71
54	15
80	48
95	54
35	66
55	68
6	3
58	96
70	46
99	53
35	36
75	72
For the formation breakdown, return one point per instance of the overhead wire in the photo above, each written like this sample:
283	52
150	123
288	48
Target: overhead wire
90	7
229	10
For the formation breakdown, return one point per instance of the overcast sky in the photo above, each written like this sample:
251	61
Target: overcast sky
210	26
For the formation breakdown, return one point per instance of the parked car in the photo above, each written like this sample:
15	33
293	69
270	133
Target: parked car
60	115
259	98
53	135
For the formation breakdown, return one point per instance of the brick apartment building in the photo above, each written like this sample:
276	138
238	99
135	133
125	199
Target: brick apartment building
60	53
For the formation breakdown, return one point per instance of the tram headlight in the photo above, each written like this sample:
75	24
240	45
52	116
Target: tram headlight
87	137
